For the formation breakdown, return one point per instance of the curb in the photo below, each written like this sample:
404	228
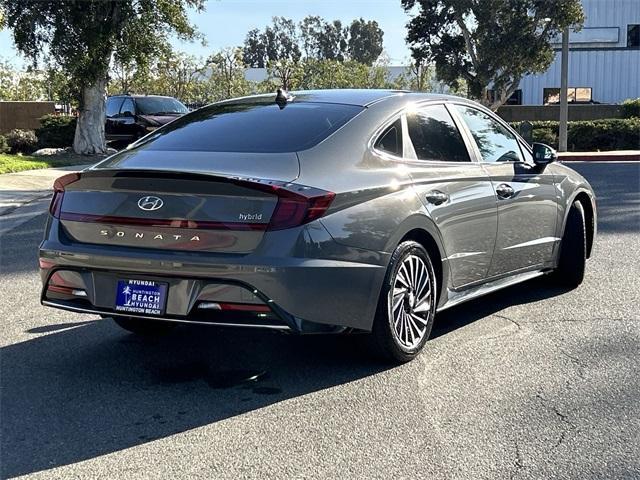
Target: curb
599	157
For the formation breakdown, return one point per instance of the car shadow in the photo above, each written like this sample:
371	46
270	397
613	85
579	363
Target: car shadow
540	288
89	388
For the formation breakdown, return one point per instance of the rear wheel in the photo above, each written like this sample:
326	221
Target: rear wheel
573	249
145	327
407	304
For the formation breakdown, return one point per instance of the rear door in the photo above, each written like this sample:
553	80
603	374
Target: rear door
125	126
456	191
525	193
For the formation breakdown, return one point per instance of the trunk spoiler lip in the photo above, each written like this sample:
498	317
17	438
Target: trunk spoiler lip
182	174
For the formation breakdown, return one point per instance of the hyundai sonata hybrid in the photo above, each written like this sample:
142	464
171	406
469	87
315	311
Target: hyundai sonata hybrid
315	211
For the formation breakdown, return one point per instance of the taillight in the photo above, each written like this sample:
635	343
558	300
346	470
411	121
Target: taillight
58	191
298	205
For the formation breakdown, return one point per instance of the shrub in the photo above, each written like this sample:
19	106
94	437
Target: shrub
57	131
4	147
630	108
584	136
546	135
22	141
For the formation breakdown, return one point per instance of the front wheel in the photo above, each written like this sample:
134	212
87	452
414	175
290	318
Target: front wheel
144	327
573	249
407	304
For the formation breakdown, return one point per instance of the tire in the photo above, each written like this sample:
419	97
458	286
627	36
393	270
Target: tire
573	249
406	306
144	327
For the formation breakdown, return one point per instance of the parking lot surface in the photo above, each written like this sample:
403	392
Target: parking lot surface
529	382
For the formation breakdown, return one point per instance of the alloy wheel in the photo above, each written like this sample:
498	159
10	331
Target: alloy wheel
410	301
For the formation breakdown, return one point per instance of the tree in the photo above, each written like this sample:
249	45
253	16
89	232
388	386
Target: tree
254	52
278	42
22	85
177	74
489	44
365	41
226	74
82	36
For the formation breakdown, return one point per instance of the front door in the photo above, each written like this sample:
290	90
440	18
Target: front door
456	191
525	194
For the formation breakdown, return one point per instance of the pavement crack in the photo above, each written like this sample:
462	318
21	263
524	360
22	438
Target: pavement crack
580	365
563	418
509	319
518	462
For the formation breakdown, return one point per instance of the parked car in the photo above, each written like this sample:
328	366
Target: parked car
321	211
129	117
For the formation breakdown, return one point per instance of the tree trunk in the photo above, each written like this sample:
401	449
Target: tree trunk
89	137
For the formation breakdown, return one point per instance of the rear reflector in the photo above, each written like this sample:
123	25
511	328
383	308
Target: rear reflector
234	307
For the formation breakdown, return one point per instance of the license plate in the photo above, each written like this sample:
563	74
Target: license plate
144	297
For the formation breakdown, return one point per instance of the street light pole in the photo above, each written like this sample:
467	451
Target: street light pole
564	105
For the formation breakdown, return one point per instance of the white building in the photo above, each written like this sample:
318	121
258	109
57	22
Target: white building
604	58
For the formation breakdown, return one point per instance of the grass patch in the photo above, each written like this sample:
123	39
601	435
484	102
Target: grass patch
18	163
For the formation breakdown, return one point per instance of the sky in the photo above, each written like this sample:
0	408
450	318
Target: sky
226	22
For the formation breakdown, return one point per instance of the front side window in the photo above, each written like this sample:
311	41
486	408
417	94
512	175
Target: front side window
434	135
495	142
391	140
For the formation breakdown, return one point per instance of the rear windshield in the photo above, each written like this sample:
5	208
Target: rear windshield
159	106
253	127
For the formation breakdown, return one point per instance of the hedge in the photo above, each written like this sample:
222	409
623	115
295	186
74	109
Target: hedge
56	131
590	135
630	108
4	146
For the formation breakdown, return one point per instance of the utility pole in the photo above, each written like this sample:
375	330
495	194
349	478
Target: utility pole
564	105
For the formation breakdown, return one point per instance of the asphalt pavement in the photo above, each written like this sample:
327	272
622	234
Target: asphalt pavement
531	382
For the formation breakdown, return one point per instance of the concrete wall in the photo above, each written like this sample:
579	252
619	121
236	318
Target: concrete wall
519	113
23	115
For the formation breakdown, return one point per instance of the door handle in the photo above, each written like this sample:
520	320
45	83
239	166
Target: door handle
437	197
504	191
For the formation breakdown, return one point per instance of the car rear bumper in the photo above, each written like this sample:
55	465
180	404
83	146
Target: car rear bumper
302	294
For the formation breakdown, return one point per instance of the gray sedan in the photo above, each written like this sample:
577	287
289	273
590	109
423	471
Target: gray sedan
315	211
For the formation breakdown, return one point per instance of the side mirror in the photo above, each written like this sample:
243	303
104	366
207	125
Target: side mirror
543	154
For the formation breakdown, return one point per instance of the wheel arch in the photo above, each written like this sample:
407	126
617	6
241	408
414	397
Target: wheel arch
588	205
423	230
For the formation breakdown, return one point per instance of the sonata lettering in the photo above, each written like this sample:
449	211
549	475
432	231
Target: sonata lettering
141	235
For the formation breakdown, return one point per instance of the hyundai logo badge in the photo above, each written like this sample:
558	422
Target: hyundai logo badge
150	203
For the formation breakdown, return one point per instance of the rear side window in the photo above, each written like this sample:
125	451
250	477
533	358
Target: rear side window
113	106
253	127
391	139
434	135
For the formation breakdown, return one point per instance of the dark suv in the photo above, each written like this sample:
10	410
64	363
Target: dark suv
129	117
